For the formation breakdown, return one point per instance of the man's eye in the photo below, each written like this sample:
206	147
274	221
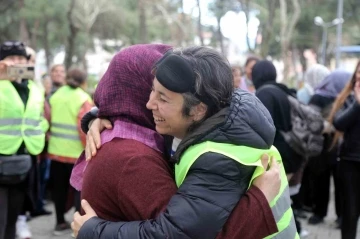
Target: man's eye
162	100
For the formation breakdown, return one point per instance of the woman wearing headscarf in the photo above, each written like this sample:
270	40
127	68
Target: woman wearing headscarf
323	166
203	114
345	116
313	76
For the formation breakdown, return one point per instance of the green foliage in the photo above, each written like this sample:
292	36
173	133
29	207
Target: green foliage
220	7
120	24
307	34
47	24
9	25
49	13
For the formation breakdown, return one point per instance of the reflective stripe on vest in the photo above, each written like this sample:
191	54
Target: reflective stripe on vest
73	129
21	133
64	126
280	206
9	121
20	124
64	134
288	231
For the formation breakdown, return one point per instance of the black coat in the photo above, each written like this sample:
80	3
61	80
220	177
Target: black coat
276	101
348	121
328	156
214	183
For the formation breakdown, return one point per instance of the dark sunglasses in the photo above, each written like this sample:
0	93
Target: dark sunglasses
8	45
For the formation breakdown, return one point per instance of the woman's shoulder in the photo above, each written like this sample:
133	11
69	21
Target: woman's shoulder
121	157
218	179
128	147
217	163
118	153
271	93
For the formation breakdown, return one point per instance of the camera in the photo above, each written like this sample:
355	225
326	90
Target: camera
21	72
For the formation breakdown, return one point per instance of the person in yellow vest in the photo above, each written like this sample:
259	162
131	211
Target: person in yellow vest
22	135
223	136
58	77
68	105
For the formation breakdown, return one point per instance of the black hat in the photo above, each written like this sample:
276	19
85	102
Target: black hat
13	48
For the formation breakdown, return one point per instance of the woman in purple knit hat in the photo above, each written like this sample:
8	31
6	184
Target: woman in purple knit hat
130	179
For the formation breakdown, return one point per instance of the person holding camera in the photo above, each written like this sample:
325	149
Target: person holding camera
22	132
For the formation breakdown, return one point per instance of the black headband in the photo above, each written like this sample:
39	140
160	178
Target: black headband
175	73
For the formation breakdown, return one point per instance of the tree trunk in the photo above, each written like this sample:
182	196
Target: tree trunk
245	5
268	29
220	37
70	48
24	32
83	55
46	45
287	29
199	24
302	58
183	35
84	61
183	22
142	22
35	33
178	30
188	39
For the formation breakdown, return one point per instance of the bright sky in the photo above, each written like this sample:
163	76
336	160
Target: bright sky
233	24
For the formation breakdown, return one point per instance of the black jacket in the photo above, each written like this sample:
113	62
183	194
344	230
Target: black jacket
275	99
328	156
322	103
348	121
214	183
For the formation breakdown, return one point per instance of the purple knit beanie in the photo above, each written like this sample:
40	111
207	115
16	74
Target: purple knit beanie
124	90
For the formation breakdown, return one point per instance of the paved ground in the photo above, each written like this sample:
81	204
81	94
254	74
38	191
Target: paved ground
42	227
327	229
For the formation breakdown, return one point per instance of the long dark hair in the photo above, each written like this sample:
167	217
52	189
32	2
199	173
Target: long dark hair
339	102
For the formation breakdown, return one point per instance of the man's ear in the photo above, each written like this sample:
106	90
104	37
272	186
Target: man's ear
199	111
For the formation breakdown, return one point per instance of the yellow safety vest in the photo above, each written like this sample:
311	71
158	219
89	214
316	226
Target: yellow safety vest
280	206
19	123
64	136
